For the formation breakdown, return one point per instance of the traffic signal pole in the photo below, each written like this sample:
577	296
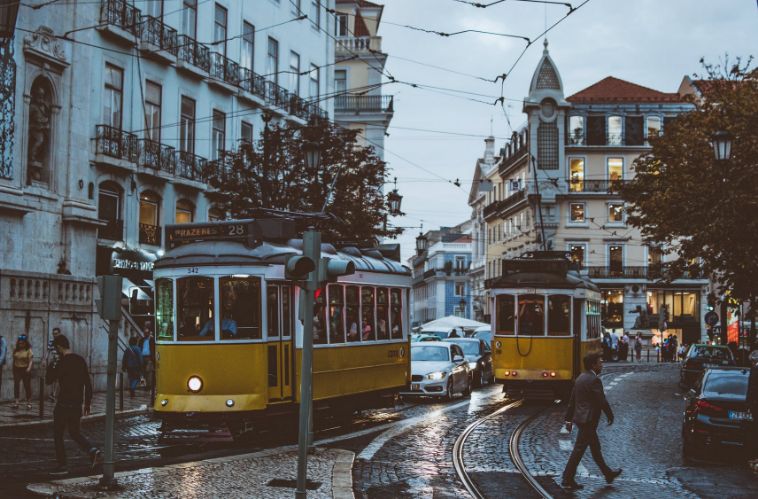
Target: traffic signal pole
312	250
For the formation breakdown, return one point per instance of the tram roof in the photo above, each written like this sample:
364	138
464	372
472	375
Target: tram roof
540	270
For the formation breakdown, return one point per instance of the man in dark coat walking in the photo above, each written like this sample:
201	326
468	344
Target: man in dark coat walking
585	405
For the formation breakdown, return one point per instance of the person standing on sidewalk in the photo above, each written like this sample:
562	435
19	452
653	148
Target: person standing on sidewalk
3	355
74	399
147	349
585	406
23	361
52	359
131	362
638	347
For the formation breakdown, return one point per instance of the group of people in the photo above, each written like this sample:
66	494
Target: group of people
621	347
670	349
138	361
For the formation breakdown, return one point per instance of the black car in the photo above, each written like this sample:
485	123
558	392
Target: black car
479	357
717	414
701	356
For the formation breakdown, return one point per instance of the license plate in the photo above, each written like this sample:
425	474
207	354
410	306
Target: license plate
740	415
414	387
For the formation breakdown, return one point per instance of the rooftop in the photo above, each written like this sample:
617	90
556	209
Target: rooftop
612	89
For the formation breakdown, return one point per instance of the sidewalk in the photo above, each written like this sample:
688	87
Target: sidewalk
248	475
23	417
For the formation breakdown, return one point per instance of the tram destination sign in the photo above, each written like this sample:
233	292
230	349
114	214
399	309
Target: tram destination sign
250	232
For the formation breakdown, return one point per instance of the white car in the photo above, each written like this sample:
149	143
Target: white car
439	369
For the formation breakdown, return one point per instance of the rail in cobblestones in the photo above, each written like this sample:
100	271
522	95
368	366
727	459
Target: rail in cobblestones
513	449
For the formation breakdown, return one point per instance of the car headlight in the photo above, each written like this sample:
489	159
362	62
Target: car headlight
472	365
195	384
436	375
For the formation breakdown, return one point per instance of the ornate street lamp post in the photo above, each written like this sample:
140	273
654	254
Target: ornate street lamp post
721	141
394	199
422	243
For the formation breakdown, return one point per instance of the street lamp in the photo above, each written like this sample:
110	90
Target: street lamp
8	13
394	199
422	243
722	145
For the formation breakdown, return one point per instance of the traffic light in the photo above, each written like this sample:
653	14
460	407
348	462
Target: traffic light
109	304
330	269
298	267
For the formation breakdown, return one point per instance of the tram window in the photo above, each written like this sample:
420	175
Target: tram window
593	319
352	311
531	315
506	323
336	306
286	312
382	313
396	314
164	309
272	305
368	328
319	318
240	308
195	309
558	315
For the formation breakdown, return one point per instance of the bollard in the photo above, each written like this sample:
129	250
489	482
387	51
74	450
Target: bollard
120	391
41	397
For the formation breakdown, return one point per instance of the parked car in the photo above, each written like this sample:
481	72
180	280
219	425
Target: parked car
698	357
439	369
483	333
479	357
717	414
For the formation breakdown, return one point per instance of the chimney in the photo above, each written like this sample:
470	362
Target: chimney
489	150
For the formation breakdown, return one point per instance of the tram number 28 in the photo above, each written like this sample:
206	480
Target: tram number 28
236	230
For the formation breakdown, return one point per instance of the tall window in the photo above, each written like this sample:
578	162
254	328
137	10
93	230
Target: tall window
576	175
154	8
341	26
576	130
187	125
153	110
218	133
313	83
615	169
295	73
577	251
248	46
615	258
653	126
272	60
340	81
576	213
109	202
219	29
616	213
547	146
184	212
149	219
315	15
246	133
614	130
113	96
189	18
460	289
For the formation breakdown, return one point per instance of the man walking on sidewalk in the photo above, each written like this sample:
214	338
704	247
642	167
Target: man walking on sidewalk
75	389
586	403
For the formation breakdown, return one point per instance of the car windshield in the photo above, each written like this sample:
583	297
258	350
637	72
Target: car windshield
428	353
469	347
732	385
439	334
711	353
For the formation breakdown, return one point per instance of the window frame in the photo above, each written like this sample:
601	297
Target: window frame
153	110
585	218
189	6
218	135
217	27
572	141
314	80
111	90
608	161
315	23
294	73
609	206
187	125
572	244
247	46
612	139
577	186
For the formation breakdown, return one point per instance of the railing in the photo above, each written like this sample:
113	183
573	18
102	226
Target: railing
615	139
156	156
115	143
576	138
299	107
354	44
221	169
121	14
193	52
225	69
277	95
252	82
504	204
155	32
190	166
364	103
596	186
631	272
114	231
150	234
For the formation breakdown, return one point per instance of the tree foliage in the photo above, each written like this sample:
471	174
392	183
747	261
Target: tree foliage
272	174
705	210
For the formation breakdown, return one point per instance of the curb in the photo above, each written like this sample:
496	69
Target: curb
92	417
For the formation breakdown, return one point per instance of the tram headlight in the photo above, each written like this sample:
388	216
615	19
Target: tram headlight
230	403
194	384
436	375
164	402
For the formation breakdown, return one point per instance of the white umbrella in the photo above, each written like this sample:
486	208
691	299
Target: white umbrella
450	322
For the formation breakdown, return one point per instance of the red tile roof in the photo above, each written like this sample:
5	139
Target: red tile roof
362	3
612	89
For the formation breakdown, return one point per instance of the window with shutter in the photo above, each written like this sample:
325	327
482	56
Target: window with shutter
634	131
595	130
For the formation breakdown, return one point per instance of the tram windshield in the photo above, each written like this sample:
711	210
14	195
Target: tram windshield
240	308
531	315
194	308
506	321
558	315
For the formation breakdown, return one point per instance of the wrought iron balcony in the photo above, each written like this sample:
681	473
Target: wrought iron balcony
121	14
252	82
155	32
115	143
225	69
576	138
596	186
277	95
653	272
193	52
504	204
150	234
114	231
190	166
220	170
157	156
299	107
364	103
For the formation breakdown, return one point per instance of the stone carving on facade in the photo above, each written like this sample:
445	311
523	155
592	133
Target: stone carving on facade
44	43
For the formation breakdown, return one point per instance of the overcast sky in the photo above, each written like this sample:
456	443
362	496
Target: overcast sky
650	42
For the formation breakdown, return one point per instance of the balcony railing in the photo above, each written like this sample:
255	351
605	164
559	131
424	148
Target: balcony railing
596	186
358	44
150	234
363	103
115	143
504	204
193	52
221	169
225	69
277	95
576	138
157	156
114	231
299	107
121	14
252	82
631	272
190	166
156	32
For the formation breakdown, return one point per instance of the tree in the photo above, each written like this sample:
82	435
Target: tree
705	210
272	174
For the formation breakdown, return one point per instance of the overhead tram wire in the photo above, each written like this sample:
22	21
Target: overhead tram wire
495	2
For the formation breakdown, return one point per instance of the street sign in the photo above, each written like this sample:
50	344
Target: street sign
711	318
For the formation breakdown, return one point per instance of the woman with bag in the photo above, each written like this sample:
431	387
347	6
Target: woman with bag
22	370
131	362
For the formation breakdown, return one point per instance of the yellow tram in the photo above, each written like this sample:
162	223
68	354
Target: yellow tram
545	318
229	338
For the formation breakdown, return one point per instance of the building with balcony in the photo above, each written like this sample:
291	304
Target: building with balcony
440	275
559	190
359	103
122	110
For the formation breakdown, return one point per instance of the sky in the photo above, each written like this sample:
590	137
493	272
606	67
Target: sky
654	43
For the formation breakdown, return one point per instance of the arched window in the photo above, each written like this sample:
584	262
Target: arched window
185	212
39	143
149	218
109	210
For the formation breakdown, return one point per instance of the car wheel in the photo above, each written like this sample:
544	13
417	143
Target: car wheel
449	392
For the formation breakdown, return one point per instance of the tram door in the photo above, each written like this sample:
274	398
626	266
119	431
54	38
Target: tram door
577	343
279	347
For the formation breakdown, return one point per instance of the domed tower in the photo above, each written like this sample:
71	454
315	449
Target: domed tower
546	108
